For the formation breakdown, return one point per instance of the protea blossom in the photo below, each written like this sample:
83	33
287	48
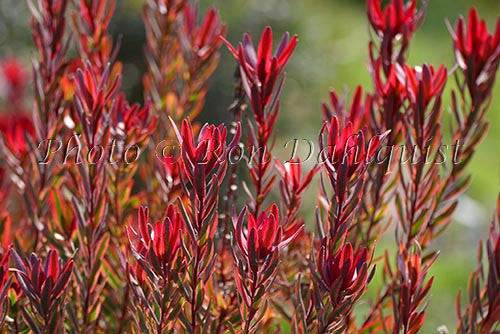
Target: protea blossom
395	18
204	38
45	285
424	83
157	244
205	154
344	273
263	235
261	69
344	151
256	254
16	130
477	52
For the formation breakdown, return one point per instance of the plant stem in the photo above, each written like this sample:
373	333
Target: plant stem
194	285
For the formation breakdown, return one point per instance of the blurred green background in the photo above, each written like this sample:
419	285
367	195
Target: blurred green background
332	52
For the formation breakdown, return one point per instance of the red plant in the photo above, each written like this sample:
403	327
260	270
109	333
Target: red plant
492	294
181	56
332	293
256	259
394	25
343	276
48	28
15	77
93	98
292	186
131	127
263	236
346	152
424	136
411	289
381	112
45	286
208	154
481	314
160	242
342	266
477	53
29	135
203	166
357	113
344	156
156	248
260	71
178	88
5	283
470	102
91	23
396	18
261	77
205	39
423	84
175	274
17	130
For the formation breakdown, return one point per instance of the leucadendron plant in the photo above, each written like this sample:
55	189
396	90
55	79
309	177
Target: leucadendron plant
204	233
